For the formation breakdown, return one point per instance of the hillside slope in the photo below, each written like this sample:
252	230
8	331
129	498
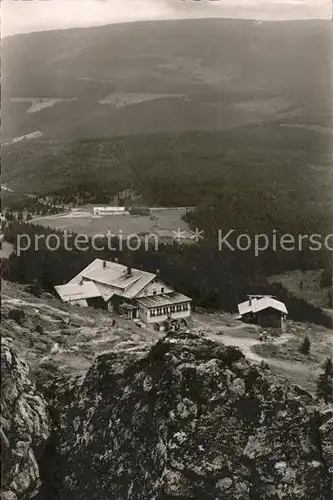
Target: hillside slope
168	108
92	410
178	169
57	339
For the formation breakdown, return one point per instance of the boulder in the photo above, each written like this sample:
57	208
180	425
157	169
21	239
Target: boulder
190	419
24	427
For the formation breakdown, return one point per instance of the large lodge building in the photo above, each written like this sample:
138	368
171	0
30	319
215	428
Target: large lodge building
130	292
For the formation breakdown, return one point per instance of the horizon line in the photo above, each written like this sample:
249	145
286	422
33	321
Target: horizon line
176	19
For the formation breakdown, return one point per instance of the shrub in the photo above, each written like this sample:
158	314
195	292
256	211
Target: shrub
17	315
305	346
49	366
44	374
39	329
326	277
34	289
325	382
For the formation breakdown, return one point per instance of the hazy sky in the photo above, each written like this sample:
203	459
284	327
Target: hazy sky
21	16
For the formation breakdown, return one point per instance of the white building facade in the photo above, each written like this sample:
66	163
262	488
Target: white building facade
110	211
133	293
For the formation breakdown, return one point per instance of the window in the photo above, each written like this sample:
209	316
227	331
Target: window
152	312
162	289
165	310
154	291
185	307
179	308
172	309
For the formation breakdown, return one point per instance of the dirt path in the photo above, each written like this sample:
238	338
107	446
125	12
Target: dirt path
298	372
231	332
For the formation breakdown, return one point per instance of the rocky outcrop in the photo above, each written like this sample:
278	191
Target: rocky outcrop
24	427
325	439
190	419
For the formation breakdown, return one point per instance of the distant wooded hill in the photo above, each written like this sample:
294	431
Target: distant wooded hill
184	112
165	76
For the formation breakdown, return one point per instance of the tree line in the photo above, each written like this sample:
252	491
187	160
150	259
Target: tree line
214	280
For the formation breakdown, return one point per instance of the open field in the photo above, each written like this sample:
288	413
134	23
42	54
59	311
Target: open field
38	103
120	100
83	222
26	137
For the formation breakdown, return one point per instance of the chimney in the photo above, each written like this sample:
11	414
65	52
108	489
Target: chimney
129	271
104	264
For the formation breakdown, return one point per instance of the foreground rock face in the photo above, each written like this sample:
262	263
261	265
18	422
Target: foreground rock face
24	427
191	419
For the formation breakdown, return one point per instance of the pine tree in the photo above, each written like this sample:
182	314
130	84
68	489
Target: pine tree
325	382
305	347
